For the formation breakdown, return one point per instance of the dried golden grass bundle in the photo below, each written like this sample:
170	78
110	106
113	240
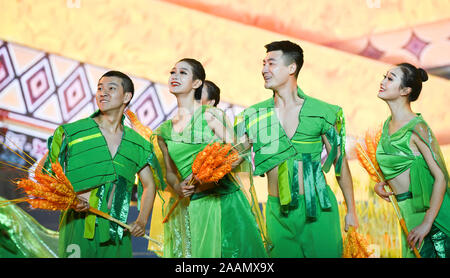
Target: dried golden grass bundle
53	192
210	165
355	245
215	163
143	130
367	155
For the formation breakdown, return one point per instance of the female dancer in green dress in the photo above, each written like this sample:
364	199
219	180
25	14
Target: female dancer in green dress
410	159
219	221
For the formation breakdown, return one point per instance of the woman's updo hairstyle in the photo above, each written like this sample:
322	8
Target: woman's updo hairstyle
412	78
198	72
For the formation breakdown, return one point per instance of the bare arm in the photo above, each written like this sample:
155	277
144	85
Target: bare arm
147	199
225	134
437	196
172	178
346	184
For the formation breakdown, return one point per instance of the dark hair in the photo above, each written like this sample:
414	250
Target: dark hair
213	92
293	52
198	72
126	82
412	78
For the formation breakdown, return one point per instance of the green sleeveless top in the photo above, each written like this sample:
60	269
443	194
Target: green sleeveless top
184	146
88	164
394	156
272	148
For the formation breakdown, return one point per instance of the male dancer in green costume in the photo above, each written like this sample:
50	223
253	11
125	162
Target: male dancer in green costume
101	157
287	133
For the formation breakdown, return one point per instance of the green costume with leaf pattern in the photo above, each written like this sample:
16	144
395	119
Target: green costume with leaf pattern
394	155
84	154
304	225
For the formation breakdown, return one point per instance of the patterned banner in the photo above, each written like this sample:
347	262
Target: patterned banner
39	91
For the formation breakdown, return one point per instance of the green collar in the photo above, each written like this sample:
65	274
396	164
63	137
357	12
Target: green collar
401	131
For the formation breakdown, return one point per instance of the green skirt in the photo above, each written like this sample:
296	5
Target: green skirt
435	245
223	226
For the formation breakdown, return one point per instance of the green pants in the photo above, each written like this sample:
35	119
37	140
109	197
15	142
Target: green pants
72	243
435	245
294	236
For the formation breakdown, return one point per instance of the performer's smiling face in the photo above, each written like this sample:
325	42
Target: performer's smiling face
110	94
275	71
390	86
181	79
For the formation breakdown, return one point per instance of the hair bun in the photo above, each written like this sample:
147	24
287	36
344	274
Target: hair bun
423	74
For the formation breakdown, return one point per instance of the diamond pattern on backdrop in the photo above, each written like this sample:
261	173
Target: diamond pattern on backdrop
148	108
39	90
371	51
23	57
426	45
74	94
37	84
61	68
6	69
415	45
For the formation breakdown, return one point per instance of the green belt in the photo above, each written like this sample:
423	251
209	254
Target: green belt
404	196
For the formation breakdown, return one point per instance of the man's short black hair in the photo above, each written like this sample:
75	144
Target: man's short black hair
291	52
127	83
